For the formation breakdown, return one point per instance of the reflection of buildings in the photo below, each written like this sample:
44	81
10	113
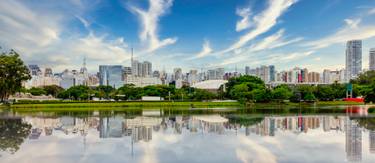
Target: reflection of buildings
372	141
208	123
140	128
353	137
295	124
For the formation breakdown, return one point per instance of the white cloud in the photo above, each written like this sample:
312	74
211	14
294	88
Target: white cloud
206	50
353	29
274	41
37	34
244	23
149	20
372	11
263	22
22	28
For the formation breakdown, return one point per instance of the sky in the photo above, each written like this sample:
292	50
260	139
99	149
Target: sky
190	34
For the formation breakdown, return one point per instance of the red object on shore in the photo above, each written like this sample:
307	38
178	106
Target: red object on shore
354	99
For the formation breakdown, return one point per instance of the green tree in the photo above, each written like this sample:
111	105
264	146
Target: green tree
201	94
369	93
251	81
53	90
104	91
240	92
35	91
130	92
77	93
261	95
12	73
364	78
324	93
282	92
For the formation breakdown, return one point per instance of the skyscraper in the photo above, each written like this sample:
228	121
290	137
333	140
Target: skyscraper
372	59
353	59
177	73
272	72
111	75
146	69
247	70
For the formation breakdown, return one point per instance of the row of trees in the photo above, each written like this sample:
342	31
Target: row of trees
126	92
250	88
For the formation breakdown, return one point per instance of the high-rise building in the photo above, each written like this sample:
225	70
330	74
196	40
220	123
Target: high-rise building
127	71
111	75
353	64
193	77
247	70
156	74
146	69
272	73
48	72
34	70
372	59
177	74
215	74
326	76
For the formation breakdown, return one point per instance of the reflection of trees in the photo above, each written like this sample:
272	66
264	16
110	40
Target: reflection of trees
13	132
245	120
368	123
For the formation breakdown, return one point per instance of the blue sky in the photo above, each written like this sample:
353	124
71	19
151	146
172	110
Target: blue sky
190	34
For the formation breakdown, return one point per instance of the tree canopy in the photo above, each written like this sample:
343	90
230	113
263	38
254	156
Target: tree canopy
12	73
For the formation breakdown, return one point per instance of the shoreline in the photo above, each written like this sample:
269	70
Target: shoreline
148	104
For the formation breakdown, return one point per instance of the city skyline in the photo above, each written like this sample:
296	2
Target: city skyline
169	34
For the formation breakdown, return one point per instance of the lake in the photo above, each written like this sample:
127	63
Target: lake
327	134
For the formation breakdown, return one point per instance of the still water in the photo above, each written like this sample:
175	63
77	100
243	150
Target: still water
201	135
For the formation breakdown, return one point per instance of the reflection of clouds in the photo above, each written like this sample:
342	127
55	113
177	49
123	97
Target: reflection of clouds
317	145
251	151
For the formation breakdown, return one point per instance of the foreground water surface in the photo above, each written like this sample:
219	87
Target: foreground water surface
340	134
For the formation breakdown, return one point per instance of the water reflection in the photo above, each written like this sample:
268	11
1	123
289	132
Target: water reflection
242	137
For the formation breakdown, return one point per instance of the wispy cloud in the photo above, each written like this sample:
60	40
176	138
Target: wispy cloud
263	22
273	41
244	23
42	37
22	28
371	12
353	29
206	50
149	20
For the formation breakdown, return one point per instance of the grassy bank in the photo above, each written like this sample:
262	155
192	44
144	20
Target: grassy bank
91	105
125	104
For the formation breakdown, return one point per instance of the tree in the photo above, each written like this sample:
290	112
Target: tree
35	91
12	73
104	91
130	91
324	93
240	92
261	95
53	90
281	92
251	81
364	78
76	92
369	93
201	94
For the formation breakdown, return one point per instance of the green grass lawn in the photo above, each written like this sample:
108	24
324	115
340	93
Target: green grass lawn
126	104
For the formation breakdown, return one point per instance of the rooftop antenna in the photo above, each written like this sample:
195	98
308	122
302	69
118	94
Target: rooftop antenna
132	56
84	61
